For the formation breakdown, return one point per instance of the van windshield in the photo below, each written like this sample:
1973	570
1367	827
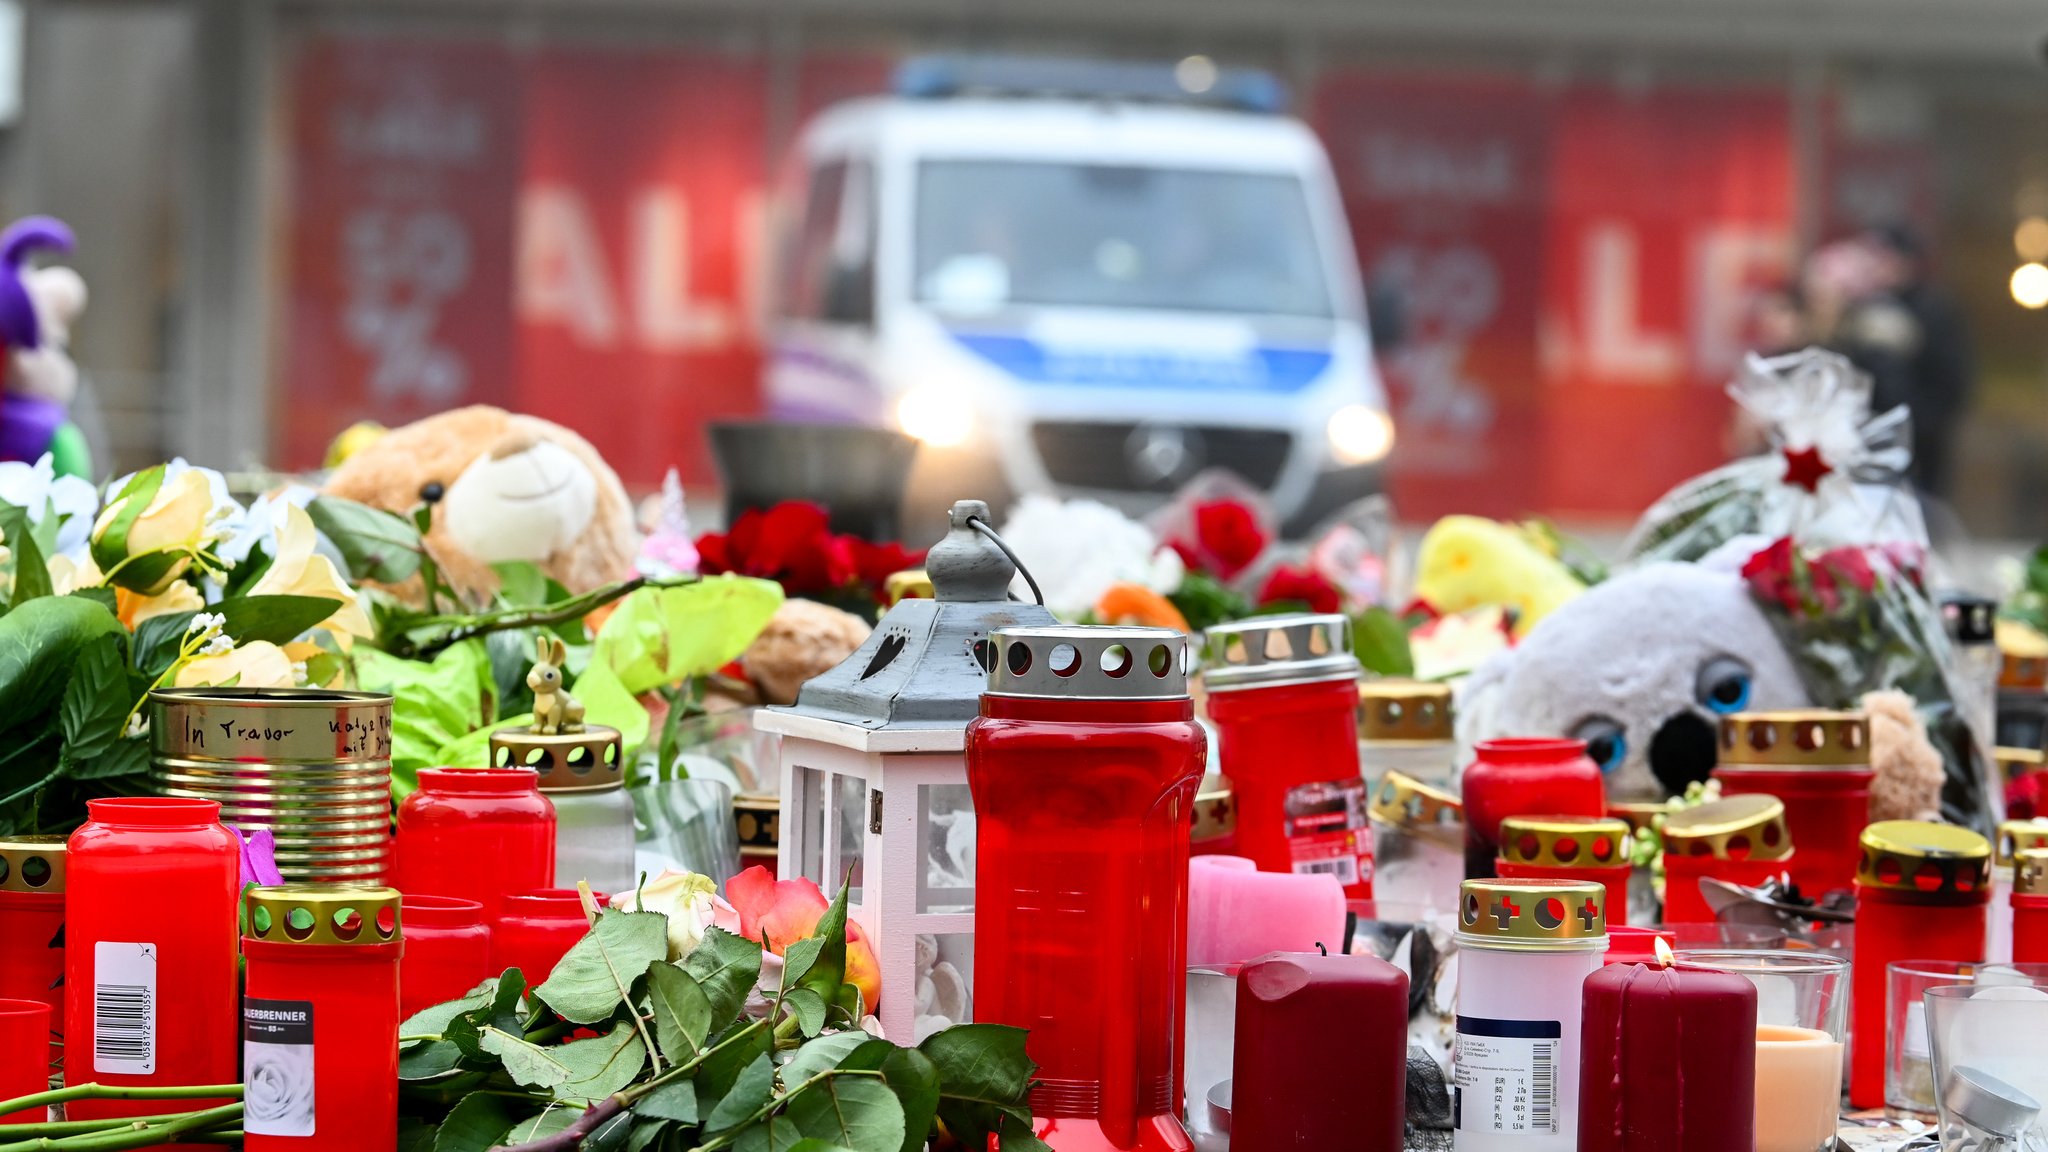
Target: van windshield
996	232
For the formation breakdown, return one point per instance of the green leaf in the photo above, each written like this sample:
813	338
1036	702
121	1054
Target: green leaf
375	544
660	636
96	701
859	1112
31	571
477	1123
910	1075
415	1135
611	1134
102	596
428	1060
40	643
506	1000
748	1093
682	1013
122	758
798	959
597	974
555	1118
984	1081
247	619
675	1100
600	1065
726	967
648	1131
716	1076
529	1064
813	1144
432	704
825	1052
1381	639
111	546
432	1021
827	973
809	1008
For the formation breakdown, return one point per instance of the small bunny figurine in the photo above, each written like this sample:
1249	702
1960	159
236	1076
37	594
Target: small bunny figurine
554	710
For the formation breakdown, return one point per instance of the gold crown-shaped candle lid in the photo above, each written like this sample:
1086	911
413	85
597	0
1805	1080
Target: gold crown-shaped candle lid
1738	828
1404	711
2017	836
1534	914
1640	815
1810	738
2030	873
32	864
587	761
2017	762
323	914
1565	841
1405	802
1215	813
1920	856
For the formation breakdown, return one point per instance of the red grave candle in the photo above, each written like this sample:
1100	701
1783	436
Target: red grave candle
1283	693
534	930
32	927
149	950
447	951
1923	892
1742	840
1287	1094
320	1019
1524	777
24	1070
1592	848
1084	763
2030	907
476	834
1818	764
1669	1060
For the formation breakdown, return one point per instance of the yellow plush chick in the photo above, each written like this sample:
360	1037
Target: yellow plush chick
353	439
1468	562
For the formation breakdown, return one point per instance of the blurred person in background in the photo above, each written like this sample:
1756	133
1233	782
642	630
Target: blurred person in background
1940	370
1851	310
1775	324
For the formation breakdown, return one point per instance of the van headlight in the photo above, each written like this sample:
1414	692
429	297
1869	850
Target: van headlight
1360	434
935	416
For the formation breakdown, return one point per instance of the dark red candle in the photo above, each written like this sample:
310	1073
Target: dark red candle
1524	777
320	1019
1668	1062
1292	1088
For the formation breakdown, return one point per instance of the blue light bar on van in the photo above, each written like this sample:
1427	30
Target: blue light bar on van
936	77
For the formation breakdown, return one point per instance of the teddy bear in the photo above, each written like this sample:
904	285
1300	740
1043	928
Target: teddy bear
37	309
503	487
1642	667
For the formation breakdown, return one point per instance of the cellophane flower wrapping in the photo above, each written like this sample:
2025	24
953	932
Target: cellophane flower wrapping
1829	535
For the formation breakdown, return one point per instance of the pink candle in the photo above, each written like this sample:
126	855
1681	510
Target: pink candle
1668	1062
1236	912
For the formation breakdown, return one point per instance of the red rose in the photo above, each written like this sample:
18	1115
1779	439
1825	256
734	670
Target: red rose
789	543
1773	577
1291	584
2023	799
1851	565
873	564
1227	536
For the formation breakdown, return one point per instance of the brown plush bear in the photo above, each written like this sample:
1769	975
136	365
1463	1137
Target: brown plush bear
504	487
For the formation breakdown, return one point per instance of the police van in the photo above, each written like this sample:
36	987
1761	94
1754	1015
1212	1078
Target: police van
1085	278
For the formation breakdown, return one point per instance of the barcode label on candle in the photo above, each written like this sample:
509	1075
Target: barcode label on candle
1504	1075
1327	832
124	1007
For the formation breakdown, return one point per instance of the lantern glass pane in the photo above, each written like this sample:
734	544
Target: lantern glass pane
810	831
945	981
850	801
945	821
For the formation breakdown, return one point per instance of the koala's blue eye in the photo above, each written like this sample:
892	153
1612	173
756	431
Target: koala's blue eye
1606	741
1724	685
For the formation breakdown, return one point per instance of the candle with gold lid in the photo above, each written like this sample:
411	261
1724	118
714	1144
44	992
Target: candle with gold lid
2030	907
1405	726
1418	842
32	926
2022	685
582	773
1595	848
1922	893
1525	950
1742	840
2014	837
1214	829
1817	763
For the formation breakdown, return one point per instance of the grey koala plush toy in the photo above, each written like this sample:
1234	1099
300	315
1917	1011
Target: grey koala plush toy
1641	667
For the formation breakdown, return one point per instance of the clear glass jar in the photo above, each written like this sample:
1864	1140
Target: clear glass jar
594	838
1418	843
1405	726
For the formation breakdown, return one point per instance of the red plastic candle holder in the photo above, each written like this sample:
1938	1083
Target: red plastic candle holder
24	1070
1595	848
32	927
1818	764
476	834
1524	777
2030	907
150	958
447	951
534	930
1741	840
320	1019
1084	763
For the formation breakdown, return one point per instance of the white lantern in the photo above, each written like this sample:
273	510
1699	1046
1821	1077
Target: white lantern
874	776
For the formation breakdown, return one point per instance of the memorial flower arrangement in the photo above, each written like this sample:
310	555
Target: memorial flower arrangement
793	545
633	1042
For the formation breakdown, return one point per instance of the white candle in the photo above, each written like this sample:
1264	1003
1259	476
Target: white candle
1798	1089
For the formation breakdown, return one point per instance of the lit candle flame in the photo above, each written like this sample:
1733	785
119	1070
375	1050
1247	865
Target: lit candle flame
1665	957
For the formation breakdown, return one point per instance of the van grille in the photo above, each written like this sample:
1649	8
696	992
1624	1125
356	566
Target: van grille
1111	456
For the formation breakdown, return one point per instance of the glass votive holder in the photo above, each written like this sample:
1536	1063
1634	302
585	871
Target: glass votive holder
1989	1065
1211	1034
1908	1078
1802	1001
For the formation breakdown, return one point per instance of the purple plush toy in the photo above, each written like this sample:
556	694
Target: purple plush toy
37	307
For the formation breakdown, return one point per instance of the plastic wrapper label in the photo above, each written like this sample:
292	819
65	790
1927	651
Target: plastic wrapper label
124	1008
1327	832
277	1064
1504	1075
